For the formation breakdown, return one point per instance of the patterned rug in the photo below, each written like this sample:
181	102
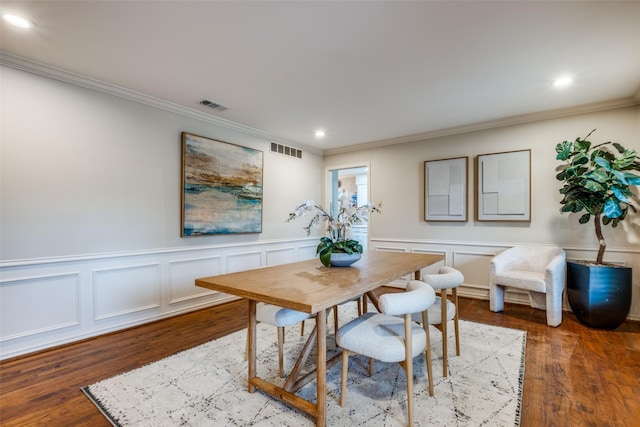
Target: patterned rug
206	385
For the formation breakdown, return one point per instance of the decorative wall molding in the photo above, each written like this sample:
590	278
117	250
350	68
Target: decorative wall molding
280	256
473	258
298	243
492	124
26	309
54	301
34	67
182	274
124	290
244	261
44	70
75	298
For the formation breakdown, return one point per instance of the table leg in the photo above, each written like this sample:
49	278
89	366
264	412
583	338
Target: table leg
374	300
321	368
251	331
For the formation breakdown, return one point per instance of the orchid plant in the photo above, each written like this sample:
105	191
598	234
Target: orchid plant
338	226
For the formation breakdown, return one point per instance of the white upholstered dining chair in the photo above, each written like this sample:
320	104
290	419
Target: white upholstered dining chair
358	300
280	318
537	269
386	337
447	279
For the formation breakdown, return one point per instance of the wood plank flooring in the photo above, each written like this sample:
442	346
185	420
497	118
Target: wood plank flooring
574	376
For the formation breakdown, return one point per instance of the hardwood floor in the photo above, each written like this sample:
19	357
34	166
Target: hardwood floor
574	376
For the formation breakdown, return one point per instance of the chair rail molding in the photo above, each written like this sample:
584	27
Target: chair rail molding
49	302
473	258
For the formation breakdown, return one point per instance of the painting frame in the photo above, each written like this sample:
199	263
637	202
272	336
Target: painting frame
222	187
503	186
446	189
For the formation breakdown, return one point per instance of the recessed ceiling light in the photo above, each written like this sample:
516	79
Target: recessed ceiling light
563	81
320	134
16	20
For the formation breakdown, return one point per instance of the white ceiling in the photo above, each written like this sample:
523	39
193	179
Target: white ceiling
364	71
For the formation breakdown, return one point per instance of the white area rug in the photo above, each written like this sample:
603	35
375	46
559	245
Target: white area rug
206	385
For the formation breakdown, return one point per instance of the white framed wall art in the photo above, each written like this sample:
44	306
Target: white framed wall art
446	189
503	186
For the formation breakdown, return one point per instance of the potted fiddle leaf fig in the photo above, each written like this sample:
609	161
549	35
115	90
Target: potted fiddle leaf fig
597	182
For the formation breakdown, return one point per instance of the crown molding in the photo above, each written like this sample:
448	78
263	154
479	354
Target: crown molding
34	67
490	124
44	70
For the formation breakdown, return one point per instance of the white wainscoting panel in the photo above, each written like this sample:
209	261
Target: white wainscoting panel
389	248
244	261
432	269
281	256
184	272
473	265
49	302
37	305
307	252
435	268
124	290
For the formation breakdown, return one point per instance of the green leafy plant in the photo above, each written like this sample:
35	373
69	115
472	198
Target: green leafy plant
597	181
338	225
327	246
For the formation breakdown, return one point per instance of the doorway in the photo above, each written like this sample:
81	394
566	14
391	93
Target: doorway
354	180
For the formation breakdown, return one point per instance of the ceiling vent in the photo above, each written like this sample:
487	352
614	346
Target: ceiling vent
213	105
287	151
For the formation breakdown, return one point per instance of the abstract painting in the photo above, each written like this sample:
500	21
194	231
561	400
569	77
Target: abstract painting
221	187
503	184
445	189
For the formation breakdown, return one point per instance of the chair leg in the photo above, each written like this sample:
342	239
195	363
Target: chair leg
496	297
408	365
335	315
345	370
454	293
443	326
427	351
553	307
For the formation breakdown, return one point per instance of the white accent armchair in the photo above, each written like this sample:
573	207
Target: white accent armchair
538	269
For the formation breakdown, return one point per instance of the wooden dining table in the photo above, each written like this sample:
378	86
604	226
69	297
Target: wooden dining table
310	287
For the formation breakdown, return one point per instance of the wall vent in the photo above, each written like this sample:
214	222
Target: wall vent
287	151
213	105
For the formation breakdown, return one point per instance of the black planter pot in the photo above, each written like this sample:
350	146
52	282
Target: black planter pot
599	295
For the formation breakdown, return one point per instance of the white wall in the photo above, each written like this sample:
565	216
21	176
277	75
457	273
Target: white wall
90	208
397	179
85	172
90	213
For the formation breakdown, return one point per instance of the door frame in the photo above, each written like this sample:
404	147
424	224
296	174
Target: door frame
331	184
